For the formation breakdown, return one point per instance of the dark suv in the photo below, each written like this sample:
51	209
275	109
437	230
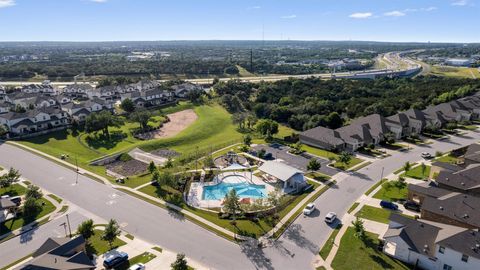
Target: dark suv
412	206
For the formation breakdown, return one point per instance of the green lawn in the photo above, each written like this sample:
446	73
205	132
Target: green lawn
318	176
319	152
55	197
354	205
13	190
447	159
327	247
342	166
392	191
416	172
213	127
98	246
142	258
373	213
18	222
355	254
372	188
138	180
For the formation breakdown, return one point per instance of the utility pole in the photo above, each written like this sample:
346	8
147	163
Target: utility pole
69	228
381	176
64	227
76	177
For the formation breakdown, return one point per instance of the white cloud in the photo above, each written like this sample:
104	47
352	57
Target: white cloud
361	15
7	3
394	13
430	9
99	1
293	16
460	3
256	7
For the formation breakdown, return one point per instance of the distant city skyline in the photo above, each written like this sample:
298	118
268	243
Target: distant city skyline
128	20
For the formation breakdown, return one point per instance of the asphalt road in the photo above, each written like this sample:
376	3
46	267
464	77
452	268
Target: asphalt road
30	241
295	249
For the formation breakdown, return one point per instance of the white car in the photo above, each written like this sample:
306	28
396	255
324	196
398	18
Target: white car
309	209
426	155
137	266
330	217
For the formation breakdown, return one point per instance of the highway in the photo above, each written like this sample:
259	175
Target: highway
295	249
396	64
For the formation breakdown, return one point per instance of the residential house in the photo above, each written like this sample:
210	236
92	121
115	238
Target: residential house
290	179
182	90
77	90
322	137
30	100
4	107
107	93
438	167
472	155
157	96
44	88
62	254
3	92
34	120
79	111
431	245
465	180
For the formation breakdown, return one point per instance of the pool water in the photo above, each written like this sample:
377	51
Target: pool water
243	189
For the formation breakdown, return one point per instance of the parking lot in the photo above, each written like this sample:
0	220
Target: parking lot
280	152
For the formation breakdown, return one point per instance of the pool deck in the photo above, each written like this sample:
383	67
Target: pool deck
194	196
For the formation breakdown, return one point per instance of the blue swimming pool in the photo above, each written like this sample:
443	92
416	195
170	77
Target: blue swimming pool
243	189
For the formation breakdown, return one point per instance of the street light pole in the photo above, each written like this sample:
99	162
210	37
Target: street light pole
69	228
381	176
76	164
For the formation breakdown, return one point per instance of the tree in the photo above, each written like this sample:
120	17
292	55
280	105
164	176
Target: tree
407	166
231	204
359	228
313	165
180	263
247	140
101	121
251	120
345	157
195	96
33	192
424	168
239	119
142	117
152	167
334	120
111	232
85	229
169	163
274	198
3	130
30	208
297	148
267	127
127	105
9	178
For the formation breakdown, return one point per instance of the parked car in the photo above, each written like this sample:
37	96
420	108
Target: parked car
309	209
426	155
115	260
330	217
412	206
137	266
389	205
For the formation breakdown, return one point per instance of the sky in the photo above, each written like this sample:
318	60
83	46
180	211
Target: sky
122	20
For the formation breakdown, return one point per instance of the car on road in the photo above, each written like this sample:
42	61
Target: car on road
115	260
309	209
137	266
330	217
389	205
412	206
426	155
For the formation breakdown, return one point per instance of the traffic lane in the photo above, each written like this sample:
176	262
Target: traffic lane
148	221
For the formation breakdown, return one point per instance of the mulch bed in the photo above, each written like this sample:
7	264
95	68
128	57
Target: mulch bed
128	168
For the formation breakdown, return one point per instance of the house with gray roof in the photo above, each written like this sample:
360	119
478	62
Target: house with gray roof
465	181
6	207
34	120
322	137
62	254
291	179
472	155
431	245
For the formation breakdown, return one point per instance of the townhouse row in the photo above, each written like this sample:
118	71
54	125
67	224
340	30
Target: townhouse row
374	128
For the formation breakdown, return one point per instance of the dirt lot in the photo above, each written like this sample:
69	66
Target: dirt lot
178	122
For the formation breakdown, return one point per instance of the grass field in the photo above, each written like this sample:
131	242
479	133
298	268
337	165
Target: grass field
363	255
98	246
447	159
459	72
213	127
13	190
18	222
392	192
374	213
416	172
329	244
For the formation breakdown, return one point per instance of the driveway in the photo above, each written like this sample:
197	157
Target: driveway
280	152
